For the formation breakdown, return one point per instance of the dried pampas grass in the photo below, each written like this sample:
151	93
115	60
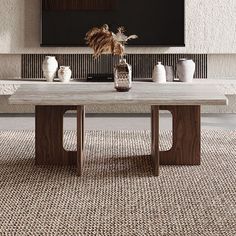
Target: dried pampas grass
103	41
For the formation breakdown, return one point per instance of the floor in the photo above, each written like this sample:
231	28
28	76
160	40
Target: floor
122	122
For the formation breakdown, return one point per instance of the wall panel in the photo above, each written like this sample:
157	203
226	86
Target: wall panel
82	64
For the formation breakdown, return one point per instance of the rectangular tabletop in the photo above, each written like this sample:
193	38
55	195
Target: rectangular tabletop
104	93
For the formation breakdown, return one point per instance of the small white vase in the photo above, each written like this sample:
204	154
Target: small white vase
159	73
50	66
64	74
185	70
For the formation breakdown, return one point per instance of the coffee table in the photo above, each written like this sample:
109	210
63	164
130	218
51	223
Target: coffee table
182	100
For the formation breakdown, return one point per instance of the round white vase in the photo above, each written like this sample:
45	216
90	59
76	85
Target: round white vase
185	70
159	73
64	74
50	66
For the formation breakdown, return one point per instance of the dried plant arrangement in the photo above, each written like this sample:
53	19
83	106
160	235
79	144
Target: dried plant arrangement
104	41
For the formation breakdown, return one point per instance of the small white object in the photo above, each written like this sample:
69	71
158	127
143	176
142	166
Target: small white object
50	66
64	74
170	74
159	73
185	70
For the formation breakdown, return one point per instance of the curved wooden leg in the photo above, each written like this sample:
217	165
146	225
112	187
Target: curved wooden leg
49	137
186	147
49	148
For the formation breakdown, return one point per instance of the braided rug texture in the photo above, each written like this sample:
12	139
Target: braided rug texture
117	194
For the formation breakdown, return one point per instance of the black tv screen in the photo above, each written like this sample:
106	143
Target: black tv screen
156	22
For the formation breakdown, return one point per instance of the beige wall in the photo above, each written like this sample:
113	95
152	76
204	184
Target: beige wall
210	28
10	66
222	66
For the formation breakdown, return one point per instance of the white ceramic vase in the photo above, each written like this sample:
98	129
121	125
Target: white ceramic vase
50	66
159	73
185	70
64	74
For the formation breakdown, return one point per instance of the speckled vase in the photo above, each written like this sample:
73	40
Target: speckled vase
64	74
123	76
50	66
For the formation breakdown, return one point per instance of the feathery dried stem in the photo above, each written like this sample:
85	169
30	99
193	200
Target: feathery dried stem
103	41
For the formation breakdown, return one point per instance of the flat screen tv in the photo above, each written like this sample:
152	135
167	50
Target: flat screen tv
156	22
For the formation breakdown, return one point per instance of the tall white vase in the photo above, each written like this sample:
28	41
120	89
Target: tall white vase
50	66
159	73
185	70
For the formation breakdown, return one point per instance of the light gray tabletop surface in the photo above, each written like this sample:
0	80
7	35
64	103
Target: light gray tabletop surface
104	93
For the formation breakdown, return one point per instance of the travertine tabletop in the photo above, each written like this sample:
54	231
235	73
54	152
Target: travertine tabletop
104	93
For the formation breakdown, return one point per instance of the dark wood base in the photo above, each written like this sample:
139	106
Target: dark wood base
186	137
49	148
186	146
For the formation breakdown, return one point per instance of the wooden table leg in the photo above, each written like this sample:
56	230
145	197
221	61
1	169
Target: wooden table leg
186	149
80	139
49	148
155	140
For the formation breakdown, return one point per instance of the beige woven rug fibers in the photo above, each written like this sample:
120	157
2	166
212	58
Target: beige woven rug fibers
117	194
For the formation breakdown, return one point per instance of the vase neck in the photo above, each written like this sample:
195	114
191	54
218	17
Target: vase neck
122	60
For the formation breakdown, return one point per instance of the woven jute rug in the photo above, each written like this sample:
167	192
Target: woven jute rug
117	194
